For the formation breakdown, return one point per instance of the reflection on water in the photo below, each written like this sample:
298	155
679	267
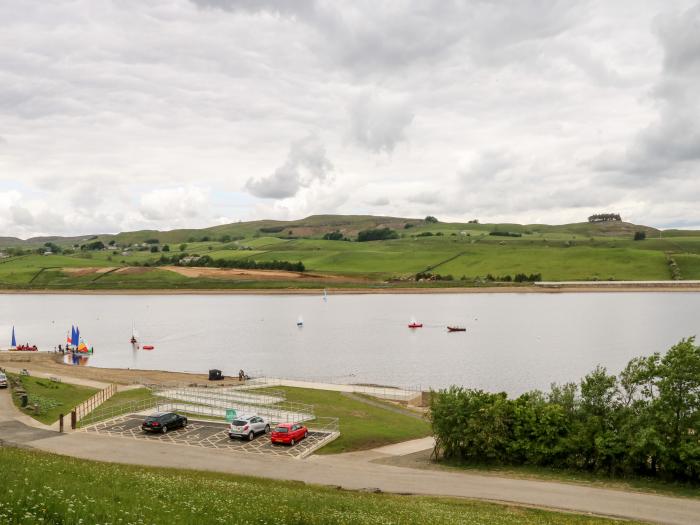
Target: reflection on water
76	359
513	342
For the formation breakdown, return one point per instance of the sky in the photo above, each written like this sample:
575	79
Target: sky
160	114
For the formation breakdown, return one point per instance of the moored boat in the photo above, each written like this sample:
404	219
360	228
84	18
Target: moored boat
415	325
456	329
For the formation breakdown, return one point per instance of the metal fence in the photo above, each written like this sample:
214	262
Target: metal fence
112	411
213	402
403	394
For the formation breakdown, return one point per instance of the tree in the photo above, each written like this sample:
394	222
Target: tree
431	219
379	234
112	242
183	247
333	236
166	248
152	241
604	217
154	249
640	236
225	238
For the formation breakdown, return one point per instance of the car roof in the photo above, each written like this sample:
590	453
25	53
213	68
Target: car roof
286	425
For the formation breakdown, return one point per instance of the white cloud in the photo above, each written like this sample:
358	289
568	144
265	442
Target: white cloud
379	122
129	115
174	204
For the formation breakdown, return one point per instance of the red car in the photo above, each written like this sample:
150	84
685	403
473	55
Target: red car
289	433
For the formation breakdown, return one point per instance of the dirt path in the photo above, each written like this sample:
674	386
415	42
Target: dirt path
49	363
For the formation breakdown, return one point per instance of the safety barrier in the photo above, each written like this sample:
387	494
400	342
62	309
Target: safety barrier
92	403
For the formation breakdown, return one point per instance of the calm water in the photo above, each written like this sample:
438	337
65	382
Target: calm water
514	342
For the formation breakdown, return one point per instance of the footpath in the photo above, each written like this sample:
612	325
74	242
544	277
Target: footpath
354	471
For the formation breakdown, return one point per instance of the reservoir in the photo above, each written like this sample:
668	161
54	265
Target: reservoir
513	342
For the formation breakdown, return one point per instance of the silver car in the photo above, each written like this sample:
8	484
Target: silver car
248	427
3	380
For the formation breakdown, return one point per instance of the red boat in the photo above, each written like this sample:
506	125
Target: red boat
456	329
415	325
147	347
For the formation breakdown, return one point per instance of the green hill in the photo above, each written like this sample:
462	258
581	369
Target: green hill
420	253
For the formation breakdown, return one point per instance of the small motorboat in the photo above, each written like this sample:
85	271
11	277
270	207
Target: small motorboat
300	321
456	329
415	325
148	347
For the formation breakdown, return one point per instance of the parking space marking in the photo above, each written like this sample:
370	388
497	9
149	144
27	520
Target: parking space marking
205	434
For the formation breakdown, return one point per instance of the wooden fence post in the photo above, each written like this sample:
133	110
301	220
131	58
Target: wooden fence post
60	422
73	420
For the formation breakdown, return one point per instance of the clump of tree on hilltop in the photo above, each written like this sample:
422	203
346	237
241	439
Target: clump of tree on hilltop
184	259
645	421
604	217
377	234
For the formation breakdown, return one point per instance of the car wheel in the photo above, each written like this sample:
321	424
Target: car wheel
267	429
165	429
184	423
292	443
305	434
251	435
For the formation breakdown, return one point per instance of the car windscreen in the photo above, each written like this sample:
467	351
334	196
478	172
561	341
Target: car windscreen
282	430
150	419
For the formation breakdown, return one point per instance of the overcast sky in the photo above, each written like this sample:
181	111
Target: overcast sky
130	114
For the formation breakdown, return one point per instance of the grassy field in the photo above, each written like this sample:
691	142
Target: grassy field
362	426
80	491
583	251
53	398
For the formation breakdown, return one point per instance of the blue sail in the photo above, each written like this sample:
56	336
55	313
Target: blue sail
14	341
77	335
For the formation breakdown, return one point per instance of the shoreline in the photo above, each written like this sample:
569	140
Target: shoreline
549	288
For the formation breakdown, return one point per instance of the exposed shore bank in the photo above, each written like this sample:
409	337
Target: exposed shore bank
548	287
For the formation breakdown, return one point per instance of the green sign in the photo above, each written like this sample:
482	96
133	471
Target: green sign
230	414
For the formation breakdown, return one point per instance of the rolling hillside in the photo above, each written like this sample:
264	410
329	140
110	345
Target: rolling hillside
420	254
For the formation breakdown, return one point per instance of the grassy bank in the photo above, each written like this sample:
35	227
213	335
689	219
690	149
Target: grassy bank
362	426
79	491
52	398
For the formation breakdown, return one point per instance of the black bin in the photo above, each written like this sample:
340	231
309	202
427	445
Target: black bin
215	375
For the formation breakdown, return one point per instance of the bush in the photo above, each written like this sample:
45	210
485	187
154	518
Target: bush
644	421
640	236
271	229
430	219
506	234
379	234
334	236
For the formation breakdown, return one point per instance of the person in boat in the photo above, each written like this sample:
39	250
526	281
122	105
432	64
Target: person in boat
133	340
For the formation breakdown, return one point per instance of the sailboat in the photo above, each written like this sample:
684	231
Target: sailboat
14	339
133	340
300	321
325	295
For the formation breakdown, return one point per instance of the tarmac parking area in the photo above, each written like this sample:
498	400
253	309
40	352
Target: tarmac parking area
208	434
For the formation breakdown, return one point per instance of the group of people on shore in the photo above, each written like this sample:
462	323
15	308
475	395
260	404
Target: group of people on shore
26	348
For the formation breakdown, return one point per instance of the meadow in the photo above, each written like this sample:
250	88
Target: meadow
464	253
79	491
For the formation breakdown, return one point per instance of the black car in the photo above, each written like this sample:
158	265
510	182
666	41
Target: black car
162	422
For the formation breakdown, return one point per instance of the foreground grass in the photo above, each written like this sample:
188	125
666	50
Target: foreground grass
362	426
53	398
79	491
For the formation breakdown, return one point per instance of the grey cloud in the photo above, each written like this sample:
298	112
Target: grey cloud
427	197
21	216
379	201
488	165
378	123
670	146
306	162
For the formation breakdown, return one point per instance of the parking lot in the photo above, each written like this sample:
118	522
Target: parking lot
208	434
